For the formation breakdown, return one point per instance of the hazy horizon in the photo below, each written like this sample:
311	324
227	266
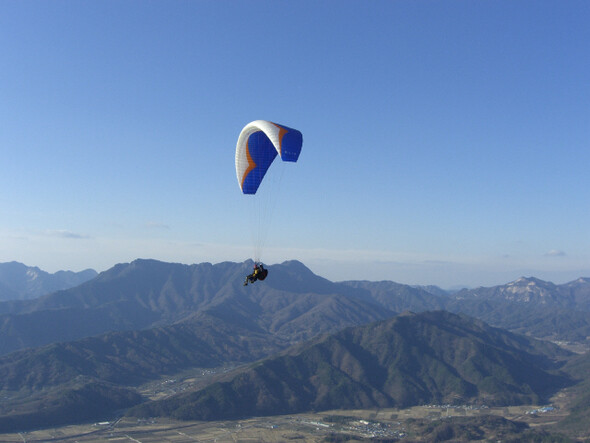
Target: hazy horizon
319	273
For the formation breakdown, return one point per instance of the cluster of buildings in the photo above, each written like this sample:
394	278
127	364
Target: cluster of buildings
363	428
377	429
541	410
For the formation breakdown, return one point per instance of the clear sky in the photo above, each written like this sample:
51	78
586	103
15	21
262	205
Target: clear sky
445	142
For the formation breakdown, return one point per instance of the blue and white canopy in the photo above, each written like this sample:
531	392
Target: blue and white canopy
258	144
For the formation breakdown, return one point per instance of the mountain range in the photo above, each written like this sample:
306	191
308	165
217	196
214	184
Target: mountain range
572	295
148	293
411	359
143	320
294	305
20	282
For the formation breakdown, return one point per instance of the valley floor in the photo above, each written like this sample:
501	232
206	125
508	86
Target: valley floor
385	425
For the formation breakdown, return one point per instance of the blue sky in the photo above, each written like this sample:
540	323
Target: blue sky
444	143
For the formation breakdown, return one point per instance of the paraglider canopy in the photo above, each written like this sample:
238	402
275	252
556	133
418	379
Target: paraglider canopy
258	144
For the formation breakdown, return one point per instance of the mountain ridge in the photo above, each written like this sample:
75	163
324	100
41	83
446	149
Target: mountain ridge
150	293
431	357
21	282
574	294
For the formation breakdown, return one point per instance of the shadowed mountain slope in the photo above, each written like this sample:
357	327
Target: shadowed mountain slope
432	357
78	400
147	293
293	303
576	423
398	297
235	325
133	357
